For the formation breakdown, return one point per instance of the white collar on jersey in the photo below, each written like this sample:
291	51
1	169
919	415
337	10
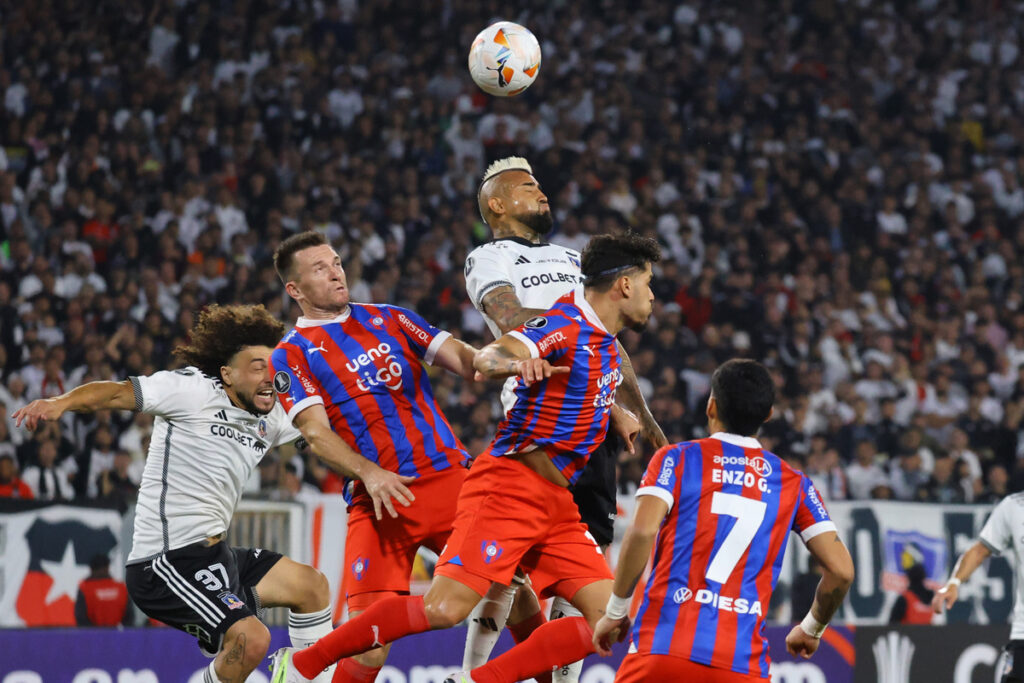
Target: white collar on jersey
309	322
737	440
588	311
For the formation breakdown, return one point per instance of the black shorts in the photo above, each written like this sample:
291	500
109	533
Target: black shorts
200	589
1011	664
594	491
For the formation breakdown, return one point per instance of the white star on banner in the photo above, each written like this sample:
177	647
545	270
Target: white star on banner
66	574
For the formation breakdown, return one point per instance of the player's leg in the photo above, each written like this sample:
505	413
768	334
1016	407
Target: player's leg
515	606
244	646
197	589
391	618
570	564
278	581
364	667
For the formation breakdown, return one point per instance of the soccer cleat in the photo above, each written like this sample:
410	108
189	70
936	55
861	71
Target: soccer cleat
457	677
281	668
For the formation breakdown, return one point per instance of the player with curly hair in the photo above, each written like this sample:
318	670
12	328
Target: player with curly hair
215	420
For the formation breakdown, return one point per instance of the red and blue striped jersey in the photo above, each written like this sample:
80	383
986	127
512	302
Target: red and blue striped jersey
364	367
718	553
566	414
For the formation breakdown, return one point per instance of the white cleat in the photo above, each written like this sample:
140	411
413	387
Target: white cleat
457	677
281	668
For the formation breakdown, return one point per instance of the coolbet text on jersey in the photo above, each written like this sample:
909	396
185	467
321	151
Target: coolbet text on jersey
718	554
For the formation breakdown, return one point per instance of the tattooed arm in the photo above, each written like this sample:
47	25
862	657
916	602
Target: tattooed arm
836	578
503	307
507	356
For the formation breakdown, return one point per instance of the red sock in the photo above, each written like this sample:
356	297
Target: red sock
524	628
383	622
351	671
555	643
522	631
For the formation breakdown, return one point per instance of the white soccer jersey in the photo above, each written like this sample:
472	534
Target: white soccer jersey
1002	532
539	273
202	451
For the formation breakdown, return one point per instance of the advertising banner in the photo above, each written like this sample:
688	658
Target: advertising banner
164	655
907	654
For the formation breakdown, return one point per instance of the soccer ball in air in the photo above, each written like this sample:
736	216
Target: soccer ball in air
504	59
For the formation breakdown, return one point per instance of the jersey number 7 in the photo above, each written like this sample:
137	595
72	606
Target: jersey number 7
749	514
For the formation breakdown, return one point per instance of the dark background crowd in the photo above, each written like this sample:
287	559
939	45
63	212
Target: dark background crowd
836	185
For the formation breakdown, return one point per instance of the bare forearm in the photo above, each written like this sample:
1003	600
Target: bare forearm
969	561
633	399
636	548
829	596
332	450
95	396
495	362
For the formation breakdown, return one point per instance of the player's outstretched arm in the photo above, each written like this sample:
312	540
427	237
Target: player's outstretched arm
836	579
381	484
456	356
636	548
965	566
87	398
503	307
632	399
507	356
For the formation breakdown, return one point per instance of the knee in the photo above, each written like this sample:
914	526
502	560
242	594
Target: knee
524	606
319	591
313	592
444	612
248	645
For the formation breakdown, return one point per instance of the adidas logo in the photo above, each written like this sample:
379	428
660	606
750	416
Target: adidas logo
221	415
488	623
521	260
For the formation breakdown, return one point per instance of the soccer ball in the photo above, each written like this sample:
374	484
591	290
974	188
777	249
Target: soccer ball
504	59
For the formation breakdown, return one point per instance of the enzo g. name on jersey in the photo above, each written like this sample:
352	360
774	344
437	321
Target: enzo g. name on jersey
238	436
747	479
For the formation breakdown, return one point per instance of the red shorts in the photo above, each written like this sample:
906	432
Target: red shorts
379	554
638	668
510	516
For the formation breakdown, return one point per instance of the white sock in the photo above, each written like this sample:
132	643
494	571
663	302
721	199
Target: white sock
306	629
210	675
486	622
567	673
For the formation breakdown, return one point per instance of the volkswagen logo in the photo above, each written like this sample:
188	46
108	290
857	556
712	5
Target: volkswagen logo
682	595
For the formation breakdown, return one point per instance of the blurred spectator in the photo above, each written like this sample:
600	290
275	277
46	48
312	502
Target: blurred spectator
102	600
943	486
44	478
117	484
914	605
864	474
11	485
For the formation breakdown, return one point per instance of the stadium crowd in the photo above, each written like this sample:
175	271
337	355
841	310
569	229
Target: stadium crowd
837	186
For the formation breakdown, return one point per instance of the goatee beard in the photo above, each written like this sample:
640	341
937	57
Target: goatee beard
538	222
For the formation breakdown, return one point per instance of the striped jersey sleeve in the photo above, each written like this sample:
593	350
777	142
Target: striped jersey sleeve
546	336
296	386
424	338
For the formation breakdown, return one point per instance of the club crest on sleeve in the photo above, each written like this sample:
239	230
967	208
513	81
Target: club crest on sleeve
261	428
282	382
536	323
